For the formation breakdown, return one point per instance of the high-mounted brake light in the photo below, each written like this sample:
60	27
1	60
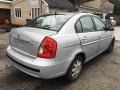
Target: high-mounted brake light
47	48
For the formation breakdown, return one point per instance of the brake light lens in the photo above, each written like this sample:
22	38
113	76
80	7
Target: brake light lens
47	48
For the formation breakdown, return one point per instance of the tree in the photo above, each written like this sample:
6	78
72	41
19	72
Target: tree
77	2
116	6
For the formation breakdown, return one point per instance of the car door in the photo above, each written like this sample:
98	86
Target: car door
88	37
105	36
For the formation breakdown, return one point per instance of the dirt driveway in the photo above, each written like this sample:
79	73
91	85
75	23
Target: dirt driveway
117	33
102	73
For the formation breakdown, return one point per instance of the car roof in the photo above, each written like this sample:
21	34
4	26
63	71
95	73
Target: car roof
68	13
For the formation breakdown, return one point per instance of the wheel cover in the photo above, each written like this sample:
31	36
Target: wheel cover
76	69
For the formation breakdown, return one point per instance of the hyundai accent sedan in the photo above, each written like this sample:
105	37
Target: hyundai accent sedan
50	46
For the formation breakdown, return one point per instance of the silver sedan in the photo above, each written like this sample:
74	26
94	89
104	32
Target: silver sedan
51	45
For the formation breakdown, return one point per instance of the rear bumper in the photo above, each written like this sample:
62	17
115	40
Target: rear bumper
37	67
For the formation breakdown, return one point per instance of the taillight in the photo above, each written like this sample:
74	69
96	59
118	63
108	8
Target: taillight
47	48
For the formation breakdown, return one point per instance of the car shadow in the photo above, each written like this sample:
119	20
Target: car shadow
94	61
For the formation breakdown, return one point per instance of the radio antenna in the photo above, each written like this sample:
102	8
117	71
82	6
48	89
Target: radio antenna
55	12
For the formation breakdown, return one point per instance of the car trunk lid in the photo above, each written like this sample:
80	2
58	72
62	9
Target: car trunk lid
28	39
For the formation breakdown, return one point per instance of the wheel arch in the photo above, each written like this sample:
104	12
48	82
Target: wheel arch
83	55
78	54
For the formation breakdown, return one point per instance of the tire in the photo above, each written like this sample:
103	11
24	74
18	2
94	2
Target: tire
111	46
9	28
74	69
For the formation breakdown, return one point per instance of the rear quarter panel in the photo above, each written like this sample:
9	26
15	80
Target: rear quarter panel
67	39
68	43
67	48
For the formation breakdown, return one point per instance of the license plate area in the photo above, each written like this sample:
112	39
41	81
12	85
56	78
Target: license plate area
21	44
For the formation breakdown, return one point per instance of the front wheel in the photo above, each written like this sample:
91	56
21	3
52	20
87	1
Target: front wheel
111	46
74	69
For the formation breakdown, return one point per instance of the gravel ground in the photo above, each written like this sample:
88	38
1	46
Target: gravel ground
101	73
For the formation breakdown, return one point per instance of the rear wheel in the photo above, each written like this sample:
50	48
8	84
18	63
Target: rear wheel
111	46
74	69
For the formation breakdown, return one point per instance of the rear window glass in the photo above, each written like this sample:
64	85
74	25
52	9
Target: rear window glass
49	22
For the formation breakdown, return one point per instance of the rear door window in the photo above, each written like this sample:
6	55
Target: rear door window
87	24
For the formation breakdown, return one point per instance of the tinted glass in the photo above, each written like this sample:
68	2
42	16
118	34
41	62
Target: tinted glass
87	24
78	27
99	24
49	22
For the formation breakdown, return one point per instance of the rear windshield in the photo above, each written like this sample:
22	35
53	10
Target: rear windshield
49	22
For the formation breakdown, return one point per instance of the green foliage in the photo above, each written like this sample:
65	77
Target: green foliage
78	1
115	2
116	7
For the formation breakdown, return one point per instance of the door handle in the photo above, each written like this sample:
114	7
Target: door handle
84	38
